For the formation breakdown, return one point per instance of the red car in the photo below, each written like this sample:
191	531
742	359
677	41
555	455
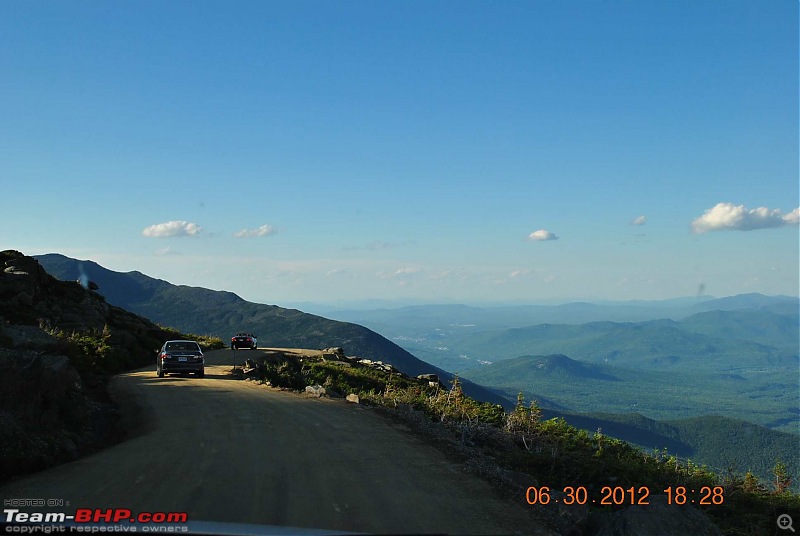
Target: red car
244	340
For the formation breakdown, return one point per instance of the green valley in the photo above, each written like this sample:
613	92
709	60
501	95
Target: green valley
768	397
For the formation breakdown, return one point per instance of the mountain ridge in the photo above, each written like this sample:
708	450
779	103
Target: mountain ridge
222	313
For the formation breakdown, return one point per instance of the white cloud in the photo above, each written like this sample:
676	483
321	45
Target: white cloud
408	271
793	217
172	228
400	273
166	251
639	220
730	217
519	273
542	235
264	230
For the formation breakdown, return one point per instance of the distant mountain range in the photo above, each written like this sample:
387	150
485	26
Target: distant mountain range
407	320
217	313
716	340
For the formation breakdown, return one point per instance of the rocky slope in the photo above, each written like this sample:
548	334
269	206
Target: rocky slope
58	342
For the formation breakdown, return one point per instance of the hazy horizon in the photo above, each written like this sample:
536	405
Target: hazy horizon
378	303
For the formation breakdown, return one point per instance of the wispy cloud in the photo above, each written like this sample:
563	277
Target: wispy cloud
172	228
639	220
542	235
519	273
264	230
166	251
410	270
730	217
400	273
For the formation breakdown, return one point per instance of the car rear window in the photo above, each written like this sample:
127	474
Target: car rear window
183	347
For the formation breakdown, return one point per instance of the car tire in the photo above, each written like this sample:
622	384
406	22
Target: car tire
201	374
160	372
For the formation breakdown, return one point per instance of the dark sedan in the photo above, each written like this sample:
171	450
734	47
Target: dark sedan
180	356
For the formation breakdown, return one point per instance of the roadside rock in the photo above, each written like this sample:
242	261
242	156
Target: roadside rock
316	390
377	365
250	368
43	390
27	337
333	354
352	398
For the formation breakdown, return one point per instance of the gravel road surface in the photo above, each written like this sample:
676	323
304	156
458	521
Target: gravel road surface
233	451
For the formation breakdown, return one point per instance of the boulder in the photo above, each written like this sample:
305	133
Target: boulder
87	284
432	379
29	337
250	368
316	390
43	389
352	398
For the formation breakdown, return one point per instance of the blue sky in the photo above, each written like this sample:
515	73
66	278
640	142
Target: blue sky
432	151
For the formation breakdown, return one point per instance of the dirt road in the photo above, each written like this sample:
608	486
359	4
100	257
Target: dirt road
232	451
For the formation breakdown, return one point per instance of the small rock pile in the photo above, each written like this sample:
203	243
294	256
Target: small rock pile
252	369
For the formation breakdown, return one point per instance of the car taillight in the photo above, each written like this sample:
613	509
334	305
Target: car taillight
164	356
